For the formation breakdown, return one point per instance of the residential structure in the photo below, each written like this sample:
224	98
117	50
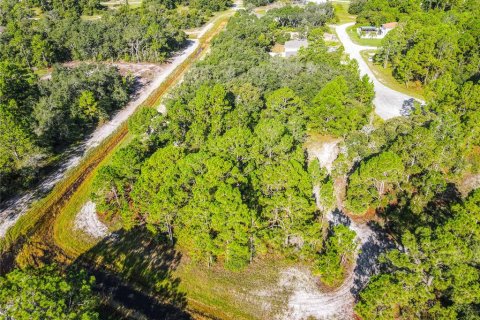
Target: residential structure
293	46
376	32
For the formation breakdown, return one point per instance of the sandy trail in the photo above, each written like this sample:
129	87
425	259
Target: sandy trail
388	102
13	209
307	300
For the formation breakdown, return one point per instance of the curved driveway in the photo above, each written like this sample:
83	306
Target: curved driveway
388	102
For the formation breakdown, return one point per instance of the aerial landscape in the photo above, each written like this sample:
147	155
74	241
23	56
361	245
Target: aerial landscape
239	159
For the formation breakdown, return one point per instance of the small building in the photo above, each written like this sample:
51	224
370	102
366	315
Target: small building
373	32
293	46
387	27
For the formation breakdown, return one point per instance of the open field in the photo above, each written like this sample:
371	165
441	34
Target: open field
384	75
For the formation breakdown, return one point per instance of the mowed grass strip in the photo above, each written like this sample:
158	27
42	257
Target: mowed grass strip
75	242
385	76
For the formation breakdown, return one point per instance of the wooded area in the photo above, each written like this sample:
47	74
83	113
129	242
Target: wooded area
40	118
225	175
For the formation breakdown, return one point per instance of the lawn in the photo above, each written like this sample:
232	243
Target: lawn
384	75
341	10
352	32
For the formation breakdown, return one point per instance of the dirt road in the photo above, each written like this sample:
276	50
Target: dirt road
388	102
13	209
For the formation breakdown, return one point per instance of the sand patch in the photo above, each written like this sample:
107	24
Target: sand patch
87	221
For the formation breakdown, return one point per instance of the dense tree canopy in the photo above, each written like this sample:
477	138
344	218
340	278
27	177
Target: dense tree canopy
434	38
228	179
46	293
38	117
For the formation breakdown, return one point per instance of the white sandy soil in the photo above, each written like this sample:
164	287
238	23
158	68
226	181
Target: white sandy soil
87	221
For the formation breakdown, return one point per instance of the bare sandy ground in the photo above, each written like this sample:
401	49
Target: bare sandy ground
326	153
87	221
306	298
13	209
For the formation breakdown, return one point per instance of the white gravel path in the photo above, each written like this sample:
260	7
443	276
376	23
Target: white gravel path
13	209
388	102
87	221
307	301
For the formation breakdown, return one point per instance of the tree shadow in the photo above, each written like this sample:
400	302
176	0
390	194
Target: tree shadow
373	242
368	264
400	217
134	275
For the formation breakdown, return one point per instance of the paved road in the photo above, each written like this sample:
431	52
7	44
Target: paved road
13	209
388	102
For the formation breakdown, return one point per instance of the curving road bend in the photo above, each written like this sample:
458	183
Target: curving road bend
388	102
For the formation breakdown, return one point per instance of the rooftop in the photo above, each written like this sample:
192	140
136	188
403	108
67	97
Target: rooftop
389	25
295	44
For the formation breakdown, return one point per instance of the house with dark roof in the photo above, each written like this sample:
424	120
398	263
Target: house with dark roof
376	32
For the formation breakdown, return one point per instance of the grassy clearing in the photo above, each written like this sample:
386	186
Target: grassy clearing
341	10
115	4
72	241
91	18
234	295
352	32
166	274
384	75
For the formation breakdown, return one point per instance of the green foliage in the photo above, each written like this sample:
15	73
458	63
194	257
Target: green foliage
144	121
374	179
47	294
295	16
150	33
439	39
334	112
257	3
230	180
113	183
332	263
76	99
43	116
436	273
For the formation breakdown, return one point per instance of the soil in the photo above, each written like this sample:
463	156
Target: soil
88	221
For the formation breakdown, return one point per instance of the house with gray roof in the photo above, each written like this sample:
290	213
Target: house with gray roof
293	46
